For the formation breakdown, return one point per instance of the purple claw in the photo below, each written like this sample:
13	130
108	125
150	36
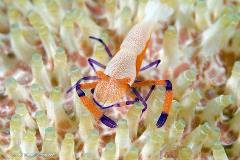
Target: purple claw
162	119
108	122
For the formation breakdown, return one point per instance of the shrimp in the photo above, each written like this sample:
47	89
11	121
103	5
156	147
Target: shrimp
119	77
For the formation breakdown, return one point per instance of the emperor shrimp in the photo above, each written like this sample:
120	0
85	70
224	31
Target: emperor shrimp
119	77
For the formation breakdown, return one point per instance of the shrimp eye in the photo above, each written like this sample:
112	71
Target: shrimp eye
101	75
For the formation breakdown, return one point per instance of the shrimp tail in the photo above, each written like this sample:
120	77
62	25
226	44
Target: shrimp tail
157	11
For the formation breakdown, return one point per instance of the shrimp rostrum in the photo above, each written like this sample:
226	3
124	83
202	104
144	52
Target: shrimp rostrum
119	77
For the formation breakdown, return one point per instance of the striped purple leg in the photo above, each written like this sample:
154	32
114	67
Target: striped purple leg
152	64
115	105
108	121
104	119
144	100
105	46
150	92
141	99
93	62
88	78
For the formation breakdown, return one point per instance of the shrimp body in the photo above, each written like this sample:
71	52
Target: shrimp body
124	64
118	79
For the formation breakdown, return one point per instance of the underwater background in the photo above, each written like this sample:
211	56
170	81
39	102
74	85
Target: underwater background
44	50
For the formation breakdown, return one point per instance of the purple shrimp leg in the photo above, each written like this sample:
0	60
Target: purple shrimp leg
163	117
115	105
93	62
150	92
140	99
155	63
104	119
143	100
108	121
88	78
105	46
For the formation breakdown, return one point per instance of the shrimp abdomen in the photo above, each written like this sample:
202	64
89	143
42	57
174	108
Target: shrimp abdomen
136	38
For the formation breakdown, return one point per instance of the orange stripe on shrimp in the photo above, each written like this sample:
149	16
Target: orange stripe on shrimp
140	57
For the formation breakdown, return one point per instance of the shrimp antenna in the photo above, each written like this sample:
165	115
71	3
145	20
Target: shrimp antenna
74	86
